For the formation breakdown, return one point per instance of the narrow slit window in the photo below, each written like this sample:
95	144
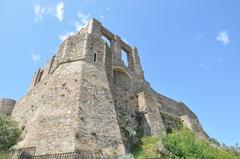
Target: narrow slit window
95	57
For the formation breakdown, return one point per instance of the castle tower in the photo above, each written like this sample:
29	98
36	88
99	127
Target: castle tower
6	106
87	98
69	106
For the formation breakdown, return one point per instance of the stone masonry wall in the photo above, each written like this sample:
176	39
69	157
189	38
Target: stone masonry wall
6	106
72	108
87	99
49	114
98	127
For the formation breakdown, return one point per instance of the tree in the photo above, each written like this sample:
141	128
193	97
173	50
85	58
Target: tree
9	132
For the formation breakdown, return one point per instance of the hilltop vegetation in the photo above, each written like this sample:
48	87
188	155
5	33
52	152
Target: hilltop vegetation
183	144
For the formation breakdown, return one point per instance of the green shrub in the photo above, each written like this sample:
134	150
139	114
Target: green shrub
148	148
9	132
183	144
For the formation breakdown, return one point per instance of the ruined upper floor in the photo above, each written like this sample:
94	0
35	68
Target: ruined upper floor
95	43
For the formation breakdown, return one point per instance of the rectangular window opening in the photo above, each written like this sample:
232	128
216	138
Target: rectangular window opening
124	58
106	40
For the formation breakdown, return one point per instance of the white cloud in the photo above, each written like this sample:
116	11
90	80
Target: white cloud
78	26
41	11
60	11
221	59
82	20
65	36
108	8
223	38
35	56
203	66
38	11
101	16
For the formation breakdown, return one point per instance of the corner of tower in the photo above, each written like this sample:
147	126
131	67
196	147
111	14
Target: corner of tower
94	27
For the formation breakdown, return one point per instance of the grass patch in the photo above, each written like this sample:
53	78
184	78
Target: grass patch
4	155
148	148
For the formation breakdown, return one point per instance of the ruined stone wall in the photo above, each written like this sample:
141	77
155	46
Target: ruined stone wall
70	50
48	115
6	106
126	105
151	107
85	98
173	111
72	107
98	126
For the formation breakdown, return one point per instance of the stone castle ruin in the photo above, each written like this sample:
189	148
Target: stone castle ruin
87	99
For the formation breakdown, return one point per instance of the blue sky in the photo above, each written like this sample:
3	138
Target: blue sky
189	49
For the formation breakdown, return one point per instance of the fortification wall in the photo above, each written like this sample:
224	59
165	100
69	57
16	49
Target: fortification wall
87	98
6	106
98	126
177	111
49	113
72	108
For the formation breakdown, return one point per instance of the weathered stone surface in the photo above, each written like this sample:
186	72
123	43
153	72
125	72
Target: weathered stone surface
6	106
86	98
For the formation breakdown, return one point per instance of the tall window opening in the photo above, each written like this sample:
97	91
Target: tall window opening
124	58
106	40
